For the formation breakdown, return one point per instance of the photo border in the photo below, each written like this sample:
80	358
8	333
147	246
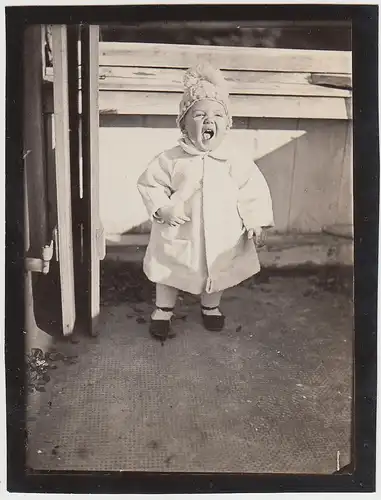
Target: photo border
364	20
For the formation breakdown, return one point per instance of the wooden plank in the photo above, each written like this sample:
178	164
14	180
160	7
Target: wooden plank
159	103
90	151
275	145
137	74
282	89
171	80
63	184
317	174
345	207
238	58
340	81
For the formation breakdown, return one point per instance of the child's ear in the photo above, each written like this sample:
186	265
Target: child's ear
183	129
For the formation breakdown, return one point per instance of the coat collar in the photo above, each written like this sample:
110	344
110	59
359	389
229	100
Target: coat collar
219	153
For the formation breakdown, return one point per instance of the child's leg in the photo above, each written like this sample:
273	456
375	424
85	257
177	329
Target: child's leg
166	297
211	301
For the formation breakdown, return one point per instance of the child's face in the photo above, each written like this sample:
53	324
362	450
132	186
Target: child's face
206	124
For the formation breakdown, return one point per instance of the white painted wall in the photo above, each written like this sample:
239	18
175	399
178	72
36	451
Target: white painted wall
307	164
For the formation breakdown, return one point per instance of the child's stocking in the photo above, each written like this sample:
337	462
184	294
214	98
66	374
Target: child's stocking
210	303
166	297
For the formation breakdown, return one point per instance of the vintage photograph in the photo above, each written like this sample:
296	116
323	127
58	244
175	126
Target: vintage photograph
189	246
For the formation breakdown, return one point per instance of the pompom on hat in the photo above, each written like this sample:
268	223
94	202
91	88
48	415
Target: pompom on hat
203	82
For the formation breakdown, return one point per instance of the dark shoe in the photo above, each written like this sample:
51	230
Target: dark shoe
213	323
161	328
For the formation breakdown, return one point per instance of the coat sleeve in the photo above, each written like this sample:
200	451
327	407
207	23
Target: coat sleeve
254	198
154	185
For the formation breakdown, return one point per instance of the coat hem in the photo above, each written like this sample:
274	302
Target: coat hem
223	282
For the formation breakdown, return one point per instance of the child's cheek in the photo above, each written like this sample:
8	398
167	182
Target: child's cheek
221	132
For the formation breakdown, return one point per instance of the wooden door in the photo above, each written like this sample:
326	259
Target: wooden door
93	237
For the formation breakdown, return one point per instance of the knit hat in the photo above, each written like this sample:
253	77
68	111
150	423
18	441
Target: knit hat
203	82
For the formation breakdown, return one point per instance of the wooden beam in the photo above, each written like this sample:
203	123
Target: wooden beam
90	153
237	58
159	103
63	185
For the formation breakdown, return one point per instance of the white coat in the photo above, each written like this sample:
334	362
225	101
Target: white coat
224	195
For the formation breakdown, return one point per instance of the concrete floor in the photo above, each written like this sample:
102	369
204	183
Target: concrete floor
271	393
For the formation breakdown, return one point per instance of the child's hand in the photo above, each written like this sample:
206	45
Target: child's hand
259	236
173	215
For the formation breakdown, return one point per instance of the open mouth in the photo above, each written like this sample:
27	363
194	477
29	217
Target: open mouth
207	134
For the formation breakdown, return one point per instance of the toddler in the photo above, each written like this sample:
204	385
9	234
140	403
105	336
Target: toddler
208	205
